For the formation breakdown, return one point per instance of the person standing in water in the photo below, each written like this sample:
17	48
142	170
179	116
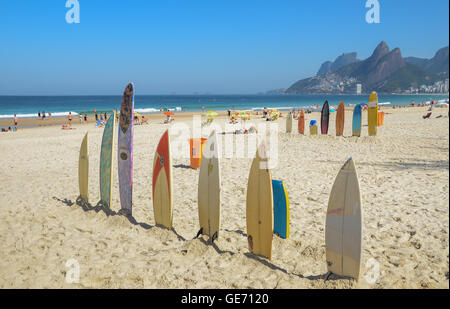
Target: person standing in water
70	119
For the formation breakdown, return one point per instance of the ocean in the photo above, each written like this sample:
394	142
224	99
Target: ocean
58	106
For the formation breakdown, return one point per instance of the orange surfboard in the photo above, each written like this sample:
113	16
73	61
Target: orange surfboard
340	119
301	123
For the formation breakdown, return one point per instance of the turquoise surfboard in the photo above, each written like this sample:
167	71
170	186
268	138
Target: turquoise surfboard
280	209
357	120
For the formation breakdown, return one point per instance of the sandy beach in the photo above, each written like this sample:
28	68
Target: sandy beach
403	175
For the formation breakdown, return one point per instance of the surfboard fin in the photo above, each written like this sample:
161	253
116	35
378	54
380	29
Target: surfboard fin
214	237
200	232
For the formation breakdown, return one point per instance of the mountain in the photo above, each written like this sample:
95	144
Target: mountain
340	61
437	65
385	71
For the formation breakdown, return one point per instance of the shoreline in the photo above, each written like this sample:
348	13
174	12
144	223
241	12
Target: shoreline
32	123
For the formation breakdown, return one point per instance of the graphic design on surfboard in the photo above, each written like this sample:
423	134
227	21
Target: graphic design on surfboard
106	161
343	228
259	205
125	150
162	183
209	189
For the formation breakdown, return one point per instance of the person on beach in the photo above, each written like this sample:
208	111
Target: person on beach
203	108
15	121
43	115
106	117
39	115
85	118
96	115
144	120
81	118
70	118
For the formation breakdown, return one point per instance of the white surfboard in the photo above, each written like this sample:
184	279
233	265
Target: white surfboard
209	189
343	229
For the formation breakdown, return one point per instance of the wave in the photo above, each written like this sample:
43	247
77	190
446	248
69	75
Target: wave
60	114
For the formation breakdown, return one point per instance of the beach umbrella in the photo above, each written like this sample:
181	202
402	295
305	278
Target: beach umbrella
210	114
169	114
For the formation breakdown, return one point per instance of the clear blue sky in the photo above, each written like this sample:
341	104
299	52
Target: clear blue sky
186	46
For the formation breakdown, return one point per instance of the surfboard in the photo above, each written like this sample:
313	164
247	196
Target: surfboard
125	149
343	229
259	206
301	123
325	118
373	114
357	121
280	209
289	123
209	189
83	170
106	160
313	127
162	183
340	119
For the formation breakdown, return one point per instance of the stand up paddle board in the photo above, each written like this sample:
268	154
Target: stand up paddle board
343	229
209	189
340	119
259	208
106	160
83	171
280	209
373	114
162	183
289	123
301	123
325	118
125	147
357	121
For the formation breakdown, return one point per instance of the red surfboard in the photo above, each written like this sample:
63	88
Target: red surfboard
301	123
162	183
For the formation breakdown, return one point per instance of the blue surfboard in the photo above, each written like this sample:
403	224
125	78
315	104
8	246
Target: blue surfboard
357	119
280	209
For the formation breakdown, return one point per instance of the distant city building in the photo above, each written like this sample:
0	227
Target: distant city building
358	88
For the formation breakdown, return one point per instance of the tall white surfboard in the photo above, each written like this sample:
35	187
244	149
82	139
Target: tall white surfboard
343	229
209	189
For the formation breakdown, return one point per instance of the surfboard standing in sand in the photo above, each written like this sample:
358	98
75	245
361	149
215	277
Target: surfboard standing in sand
106	161
125	150
343	228
372	116
209	189
325	118
162	183
260	205
301	122
340	119
357	121
83	171
289	123
280	209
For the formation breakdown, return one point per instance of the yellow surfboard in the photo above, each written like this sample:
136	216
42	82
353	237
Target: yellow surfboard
209	189
260	205
83	171
373	114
